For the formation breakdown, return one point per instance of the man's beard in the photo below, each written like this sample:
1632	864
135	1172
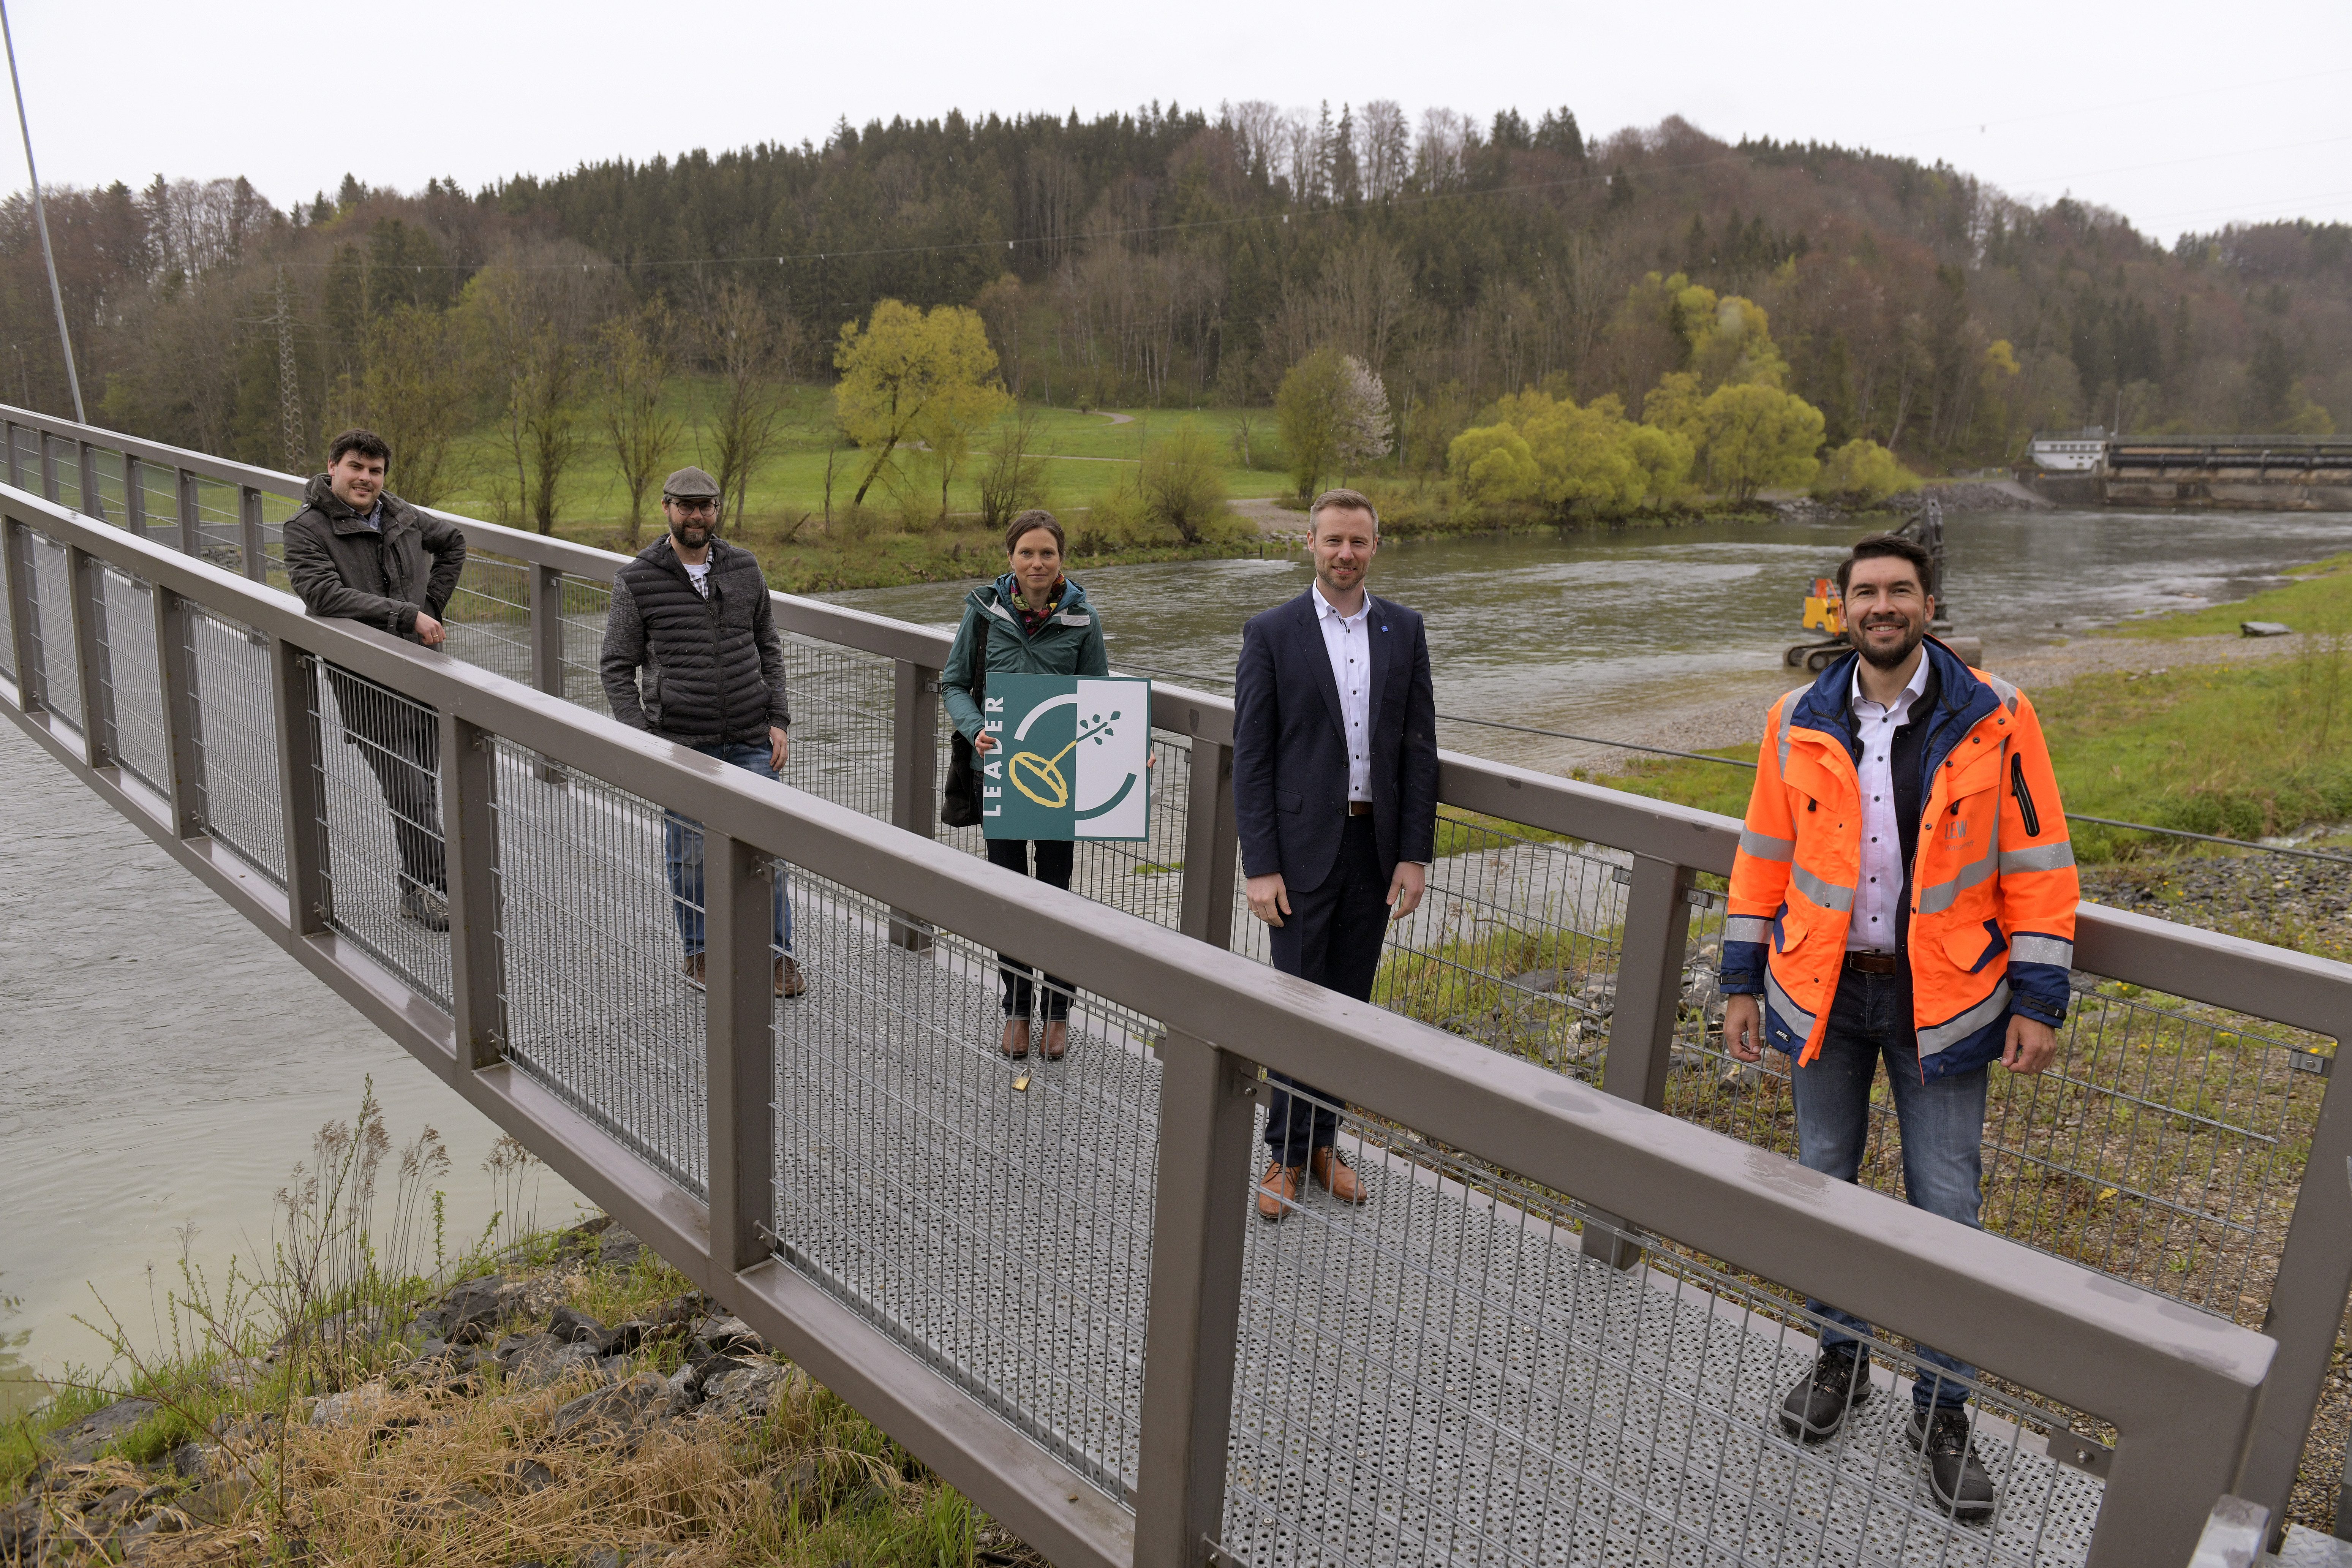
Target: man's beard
678	531
1916	634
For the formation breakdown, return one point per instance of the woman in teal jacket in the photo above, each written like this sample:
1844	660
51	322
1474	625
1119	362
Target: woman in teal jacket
1031	621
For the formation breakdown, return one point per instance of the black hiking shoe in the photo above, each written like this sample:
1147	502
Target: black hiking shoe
1957	1481
429	907
1817	1406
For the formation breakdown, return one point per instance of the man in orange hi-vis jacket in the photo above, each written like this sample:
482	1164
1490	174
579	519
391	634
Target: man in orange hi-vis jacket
1904	890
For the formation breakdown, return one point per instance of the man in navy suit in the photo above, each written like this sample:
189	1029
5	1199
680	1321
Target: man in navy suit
1334	788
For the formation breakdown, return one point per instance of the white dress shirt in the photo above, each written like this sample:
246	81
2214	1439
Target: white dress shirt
1348	641
1878	901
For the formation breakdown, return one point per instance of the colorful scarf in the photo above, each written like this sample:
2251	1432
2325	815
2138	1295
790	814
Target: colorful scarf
1033	621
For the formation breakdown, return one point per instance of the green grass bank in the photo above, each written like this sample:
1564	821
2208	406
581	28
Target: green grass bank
2240	750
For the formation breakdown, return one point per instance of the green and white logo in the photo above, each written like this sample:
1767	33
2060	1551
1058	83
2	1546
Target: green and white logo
1072	758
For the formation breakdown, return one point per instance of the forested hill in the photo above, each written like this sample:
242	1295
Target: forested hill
1181	256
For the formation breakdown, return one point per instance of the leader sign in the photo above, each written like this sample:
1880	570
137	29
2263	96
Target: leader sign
1071	757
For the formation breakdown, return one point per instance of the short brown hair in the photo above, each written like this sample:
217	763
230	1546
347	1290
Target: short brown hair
1352	501
1878	544
366	443
1030	521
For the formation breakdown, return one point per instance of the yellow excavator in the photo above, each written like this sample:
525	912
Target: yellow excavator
1825	608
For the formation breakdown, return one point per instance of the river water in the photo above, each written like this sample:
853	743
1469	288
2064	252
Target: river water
165	1066
1635	633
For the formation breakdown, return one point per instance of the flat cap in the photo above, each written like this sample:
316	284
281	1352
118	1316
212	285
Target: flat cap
689	484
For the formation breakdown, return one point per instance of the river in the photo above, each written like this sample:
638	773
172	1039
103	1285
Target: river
167	1065
1649	634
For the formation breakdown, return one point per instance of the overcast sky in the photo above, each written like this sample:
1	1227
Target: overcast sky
2180	116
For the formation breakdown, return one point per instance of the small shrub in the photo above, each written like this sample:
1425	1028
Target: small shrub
1863	473
1179	484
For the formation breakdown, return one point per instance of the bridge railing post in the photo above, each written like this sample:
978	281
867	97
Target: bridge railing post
24	616
191	515
914	773
48	467
738	1045
86	592
175	669
1212	842
93	499
249	536
469	853
547	629
1651	947
16	455
1200	1214
135	496
2307	1305
294	695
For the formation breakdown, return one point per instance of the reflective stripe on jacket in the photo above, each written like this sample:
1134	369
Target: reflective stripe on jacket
1993	892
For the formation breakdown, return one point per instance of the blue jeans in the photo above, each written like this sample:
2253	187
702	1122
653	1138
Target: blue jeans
1942	1125
682	848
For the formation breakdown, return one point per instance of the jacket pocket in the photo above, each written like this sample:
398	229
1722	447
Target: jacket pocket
1789	930
1285	800
1974	946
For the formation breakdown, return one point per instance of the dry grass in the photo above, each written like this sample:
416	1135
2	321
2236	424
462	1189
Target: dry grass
418	1467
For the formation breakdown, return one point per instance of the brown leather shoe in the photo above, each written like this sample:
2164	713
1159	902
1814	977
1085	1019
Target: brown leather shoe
1338	1176
692	970
1057	1038
1278	1190
789	982
1015	1043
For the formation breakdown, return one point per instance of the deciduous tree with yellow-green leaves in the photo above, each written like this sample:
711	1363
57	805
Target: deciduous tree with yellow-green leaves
909	377
1590	462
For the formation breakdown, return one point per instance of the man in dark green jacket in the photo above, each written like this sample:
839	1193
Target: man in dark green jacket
357	551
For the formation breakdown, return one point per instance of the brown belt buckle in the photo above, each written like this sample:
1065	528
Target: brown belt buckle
1360	808
1872	962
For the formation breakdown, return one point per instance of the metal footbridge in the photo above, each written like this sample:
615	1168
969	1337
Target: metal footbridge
1558	1332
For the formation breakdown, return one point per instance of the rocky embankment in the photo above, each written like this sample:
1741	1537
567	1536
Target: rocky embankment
1965	495
2281	900
504	1424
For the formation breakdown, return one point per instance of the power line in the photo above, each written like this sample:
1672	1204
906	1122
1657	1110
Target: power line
41	217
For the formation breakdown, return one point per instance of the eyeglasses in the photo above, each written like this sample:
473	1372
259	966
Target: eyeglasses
693	507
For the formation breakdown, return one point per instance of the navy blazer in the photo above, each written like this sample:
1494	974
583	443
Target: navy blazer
1290	743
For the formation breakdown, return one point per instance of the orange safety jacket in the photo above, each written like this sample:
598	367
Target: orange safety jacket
1992	894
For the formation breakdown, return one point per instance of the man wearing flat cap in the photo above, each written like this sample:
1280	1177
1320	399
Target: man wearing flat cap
690	655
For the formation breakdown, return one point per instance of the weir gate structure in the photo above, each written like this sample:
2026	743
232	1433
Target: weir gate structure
1558	1332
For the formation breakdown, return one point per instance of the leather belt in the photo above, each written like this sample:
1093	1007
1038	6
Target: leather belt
1874	962
1360	808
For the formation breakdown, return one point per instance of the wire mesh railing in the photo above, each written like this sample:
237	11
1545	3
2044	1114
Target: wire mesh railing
383	857
128	626
1443	1372
992	1214
53	614
236	740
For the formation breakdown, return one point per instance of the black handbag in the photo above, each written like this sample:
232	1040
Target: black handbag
959	796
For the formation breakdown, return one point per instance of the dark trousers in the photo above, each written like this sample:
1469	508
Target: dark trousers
401	742
1942	1125
1055	858
1332	936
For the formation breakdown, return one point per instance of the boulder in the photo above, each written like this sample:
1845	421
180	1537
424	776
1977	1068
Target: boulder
571	1326
472	1310
79	1442
618	1249
747	1391
2264	629
725	1334
534	1361
616	1415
